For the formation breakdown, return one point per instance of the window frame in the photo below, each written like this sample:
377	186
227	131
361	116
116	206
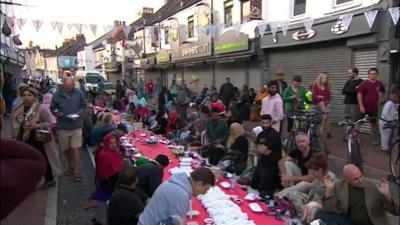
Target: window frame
293	5
335	4
228	4
190	20
166	36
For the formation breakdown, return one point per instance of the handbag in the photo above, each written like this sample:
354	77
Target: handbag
43	135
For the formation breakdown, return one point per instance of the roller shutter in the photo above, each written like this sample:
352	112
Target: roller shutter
308	61
236	71
203	73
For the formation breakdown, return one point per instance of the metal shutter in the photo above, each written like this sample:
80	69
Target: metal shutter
309	61
236	71
203	73
363	60
256	69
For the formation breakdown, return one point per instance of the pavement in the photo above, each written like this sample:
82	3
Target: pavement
62	205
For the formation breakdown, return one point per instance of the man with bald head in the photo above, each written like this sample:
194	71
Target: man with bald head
68	105
361	200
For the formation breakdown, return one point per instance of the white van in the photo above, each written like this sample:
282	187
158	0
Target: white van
92	79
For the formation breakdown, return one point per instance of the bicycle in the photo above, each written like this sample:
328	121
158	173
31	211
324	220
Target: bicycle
353	141
394	156
307	121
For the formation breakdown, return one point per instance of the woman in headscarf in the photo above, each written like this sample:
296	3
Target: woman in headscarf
108	164
237	147
27	118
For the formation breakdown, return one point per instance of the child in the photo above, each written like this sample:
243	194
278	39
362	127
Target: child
389	115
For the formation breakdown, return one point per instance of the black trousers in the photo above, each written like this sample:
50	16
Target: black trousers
40	147
332	218
265	179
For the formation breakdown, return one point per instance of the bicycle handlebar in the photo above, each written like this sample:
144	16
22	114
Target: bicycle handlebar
350	124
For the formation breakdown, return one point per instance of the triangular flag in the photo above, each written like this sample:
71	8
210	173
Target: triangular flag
273	25
60	27
261	28
370	16
127	29
214	30
394	13
69	26
37	24
93	28
346	20
10	21
104	42
54	25
20	22
237	27
78	27
284	26
308	24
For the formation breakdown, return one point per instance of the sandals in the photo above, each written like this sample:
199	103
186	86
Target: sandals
77	177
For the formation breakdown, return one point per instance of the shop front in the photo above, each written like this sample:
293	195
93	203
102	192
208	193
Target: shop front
329	47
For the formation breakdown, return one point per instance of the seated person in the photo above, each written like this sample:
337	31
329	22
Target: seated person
173	120
183	135
314	191
237	147
217	133
162	122
268	146
142	113
292	166
128	201
151	174
360	200
217	104
152	120
108	164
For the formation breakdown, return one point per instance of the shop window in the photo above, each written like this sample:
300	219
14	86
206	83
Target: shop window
166	35
299	7
228	5
245	10
190	26
250	10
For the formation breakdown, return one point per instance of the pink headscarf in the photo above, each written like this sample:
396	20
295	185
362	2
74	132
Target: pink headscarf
46	104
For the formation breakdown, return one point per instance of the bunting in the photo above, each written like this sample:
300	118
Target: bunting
20	22
93	28
54	25
69	26
370	16
308	24
284	26
37	24
10	21
394	13
346	20
261	28
60	27
273	25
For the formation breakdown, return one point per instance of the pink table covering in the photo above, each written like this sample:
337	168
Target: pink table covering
152	150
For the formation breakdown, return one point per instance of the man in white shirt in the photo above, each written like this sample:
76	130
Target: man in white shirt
273	105
389	114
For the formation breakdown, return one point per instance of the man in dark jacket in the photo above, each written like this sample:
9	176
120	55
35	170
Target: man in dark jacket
282	85
119	89
351	108
227	93
163	97
151	175
266	175
128	201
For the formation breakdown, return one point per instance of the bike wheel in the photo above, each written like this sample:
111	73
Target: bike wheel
355	155
394	160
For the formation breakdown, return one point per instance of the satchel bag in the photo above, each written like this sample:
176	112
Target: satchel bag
43	135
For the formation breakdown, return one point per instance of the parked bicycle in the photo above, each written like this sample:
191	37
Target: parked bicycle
394	157
307	121
353	141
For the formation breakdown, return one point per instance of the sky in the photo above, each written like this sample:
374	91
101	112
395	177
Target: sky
100	12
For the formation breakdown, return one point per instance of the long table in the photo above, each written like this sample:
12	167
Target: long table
152	150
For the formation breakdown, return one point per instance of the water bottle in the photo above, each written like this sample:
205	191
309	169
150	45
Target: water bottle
233	181
286	218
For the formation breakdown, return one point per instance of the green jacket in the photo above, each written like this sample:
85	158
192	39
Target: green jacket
217	130
290	105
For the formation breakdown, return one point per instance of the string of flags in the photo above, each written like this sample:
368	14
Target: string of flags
213	29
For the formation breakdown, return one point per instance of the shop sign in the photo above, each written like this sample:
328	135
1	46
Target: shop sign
229	42
338	28
303	35
191	50
163	57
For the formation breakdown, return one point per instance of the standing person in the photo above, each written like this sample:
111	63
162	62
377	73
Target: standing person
370	95
174	196
282	85
321	95
183	101
273	105
150	89
164	98
174	88
268	146
119	90
294	97
351	108
9	91
151	175
127	201
362	201
27	118
227	92
389	116
68	105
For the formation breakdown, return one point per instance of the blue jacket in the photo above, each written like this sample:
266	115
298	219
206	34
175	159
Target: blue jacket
68	104
173	197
